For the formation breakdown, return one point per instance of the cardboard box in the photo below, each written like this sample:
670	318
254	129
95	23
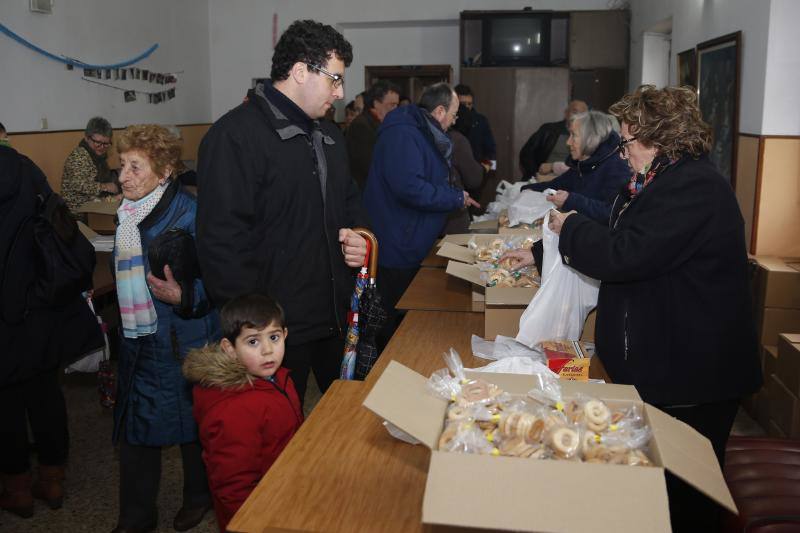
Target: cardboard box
788	363
784	407
485	226
774	321
511	493
778	282
461	239
569	359
100	216
502	306
769	361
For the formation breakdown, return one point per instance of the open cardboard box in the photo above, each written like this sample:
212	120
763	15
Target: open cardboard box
511	493
503	306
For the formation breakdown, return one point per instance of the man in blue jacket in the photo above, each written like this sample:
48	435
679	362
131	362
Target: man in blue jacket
410	188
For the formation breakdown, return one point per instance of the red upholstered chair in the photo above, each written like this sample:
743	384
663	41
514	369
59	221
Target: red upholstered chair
763	475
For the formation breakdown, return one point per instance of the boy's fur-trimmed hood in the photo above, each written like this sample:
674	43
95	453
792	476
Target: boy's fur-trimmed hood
209	366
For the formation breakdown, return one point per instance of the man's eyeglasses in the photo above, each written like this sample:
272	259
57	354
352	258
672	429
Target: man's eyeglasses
102	144
623	142
338	79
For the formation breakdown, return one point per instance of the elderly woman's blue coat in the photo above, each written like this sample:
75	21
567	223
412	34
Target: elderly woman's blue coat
154	401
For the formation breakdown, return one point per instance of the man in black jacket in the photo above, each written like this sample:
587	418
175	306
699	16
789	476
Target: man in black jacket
548	144
276	200
379	100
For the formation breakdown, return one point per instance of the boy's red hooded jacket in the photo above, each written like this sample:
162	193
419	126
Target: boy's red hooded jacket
244	424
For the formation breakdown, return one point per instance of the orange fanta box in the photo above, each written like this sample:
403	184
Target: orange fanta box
569	359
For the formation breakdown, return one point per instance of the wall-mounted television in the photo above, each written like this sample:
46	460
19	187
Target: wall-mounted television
514	38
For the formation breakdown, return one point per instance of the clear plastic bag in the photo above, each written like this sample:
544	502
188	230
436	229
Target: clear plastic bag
559	308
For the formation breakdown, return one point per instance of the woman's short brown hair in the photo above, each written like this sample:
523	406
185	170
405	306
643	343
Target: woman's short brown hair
667	118
155	142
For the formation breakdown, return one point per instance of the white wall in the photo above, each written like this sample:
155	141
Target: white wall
241	35
781	106
384	45
656	59
695	21
102	32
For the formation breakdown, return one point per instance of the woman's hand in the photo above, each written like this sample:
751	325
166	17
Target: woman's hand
519	258
557	220
559	198
168	290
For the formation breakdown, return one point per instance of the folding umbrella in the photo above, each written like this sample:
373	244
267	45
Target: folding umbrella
366	316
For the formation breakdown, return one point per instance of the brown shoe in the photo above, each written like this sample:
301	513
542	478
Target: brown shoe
16	497
50	486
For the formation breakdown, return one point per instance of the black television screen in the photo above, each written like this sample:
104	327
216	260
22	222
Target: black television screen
517	40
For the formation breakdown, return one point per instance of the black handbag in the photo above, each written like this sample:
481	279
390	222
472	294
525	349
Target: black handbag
175	247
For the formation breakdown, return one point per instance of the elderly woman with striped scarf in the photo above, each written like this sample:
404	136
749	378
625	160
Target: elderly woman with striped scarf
161	320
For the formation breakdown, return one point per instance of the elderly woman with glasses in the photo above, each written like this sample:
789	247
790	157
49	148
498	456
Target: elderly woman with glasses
674	312
86	174
595	173
164	313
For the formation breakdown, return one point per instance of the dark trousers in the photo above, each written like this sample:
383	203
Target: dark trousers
40	402
139	478
689	509
323	356
392	283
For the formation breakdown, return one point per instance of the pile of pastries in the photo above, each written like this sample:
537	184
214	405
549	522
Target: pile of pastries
483	419
497	271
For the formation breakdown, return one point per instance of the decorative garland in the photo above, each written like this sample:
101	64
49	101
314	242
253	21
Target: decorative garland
117	70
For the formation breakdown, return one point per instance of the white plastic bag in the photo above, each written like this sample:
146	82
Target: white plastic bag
503	348
528	207
559	308
516	365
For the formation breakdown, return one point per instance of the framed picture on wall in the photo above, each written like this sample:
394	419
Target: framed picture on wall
718	74
687	68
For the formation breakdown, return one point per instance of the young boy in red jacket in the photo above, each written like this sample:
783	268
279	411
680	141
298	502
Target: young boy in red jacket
245	404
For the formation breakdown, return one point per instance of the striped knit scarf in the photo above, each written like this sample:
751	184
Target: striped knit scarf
135	303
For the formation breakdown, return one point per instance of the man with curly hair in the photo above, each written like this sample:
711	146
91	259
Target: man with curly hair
276	200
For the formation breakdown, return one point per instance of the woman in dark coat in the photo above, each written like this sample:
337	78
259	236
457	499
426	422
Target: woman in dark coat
674	313
161	321
595	173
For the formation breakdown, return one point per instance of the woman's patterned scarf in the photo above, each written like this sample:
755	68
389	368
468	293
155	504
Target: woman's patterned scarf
135	303
640	180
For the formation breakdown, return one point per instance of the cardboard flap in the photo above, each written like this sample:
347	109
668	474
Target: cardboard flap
459	239
690	456
485	225
510	295
777	264
511	493
400	396
466	272
87	232
459	253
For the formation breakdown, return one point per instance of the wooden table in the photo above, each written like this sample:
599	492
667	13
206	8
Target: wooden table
422	338
432	289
